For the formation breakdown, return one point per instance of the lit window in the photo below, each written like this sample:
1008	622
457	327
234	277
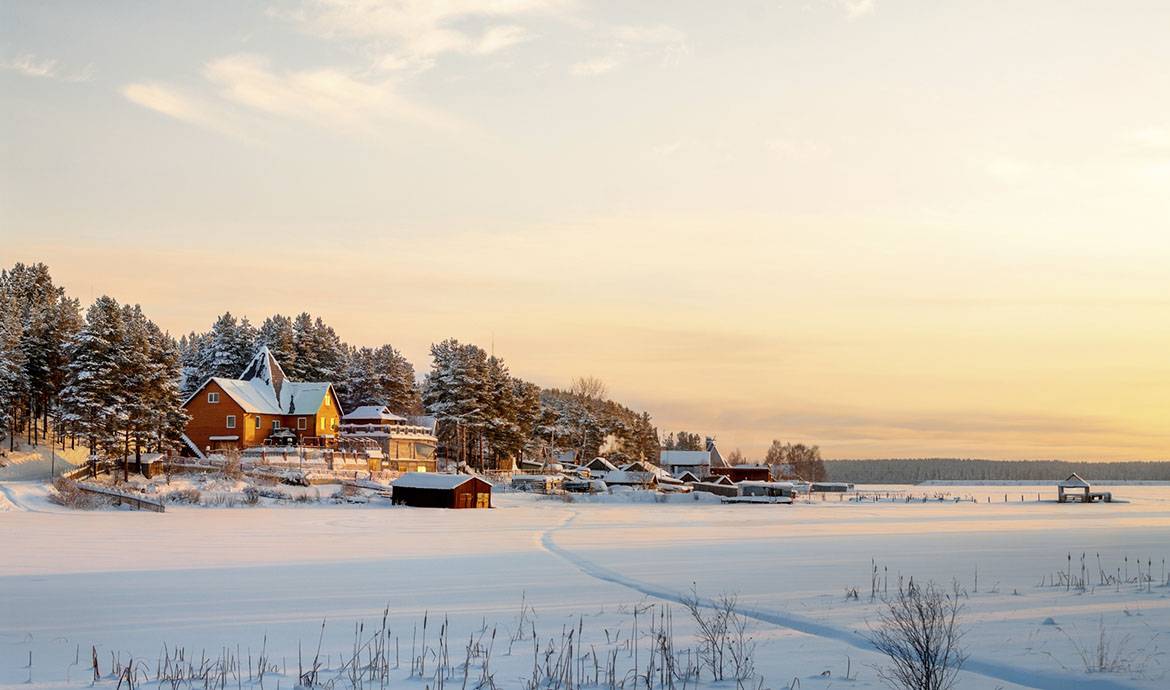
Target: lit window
213	398
231	421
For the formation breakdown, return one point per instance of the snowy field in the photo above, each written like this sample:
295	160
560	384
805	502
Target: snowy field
238	584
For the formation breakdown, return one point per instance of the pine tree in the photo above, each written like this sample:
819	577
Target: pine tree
276	333
304	343
12	366
93	392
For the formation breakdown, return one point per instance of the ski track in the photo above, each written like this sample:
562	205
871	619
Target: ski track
1041	680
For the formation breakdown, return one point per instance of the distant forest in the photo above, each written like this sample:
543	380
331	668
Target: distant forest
902	471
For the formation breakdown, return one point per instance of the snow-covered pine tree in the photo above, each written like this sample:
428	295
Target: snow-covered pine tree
137	380
330	353
229	347
47	320
304	343
396	386
93	392
191	374
455	392
168	419
277	334
13	385
358	384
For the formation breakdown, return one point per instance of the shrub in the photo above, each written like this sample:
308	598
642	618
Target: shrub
919	633
66	493
188	496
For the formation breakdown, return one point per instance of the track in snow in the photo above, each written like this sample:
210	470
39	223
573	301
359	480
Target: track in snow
1012	674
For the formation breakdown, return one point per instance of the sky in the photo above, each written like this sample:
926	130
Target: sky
889	228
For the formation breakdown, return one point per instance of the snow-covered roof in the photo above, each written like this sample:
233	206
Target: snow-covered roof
379	412
1074	480
263	389
601	464
627	477
684	458
431	480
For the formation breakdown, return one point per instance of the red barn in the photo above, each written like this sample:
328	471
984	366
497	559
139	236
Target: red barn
429	490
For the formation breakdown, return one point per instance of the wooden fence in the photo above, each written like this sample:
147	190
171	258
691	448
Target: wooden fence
136	501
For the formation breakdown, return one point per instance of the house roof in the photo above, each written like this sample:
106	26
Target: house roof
600	464
430	480
380	412
688	458
1074	480
263	389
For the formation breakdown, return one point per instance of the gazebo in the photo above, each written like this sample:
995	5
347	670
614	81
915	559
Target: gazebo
1074	488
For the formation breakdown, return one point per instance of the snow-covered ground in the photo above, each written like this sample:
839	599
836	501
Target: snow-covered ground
211	581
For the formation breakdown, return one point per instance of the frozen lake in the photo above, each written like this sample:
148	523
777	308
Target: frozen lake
206	579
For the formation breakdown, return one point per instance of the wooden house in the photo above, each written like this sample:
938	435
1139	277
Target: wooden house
408	443
678	462
430	490
744	473
243	412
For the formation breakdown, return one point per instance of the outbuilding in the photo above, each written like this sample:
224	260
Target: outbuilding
430	490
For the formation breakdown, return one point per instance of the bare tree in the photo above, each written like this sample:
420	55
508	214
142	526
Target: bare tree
919	632
589	387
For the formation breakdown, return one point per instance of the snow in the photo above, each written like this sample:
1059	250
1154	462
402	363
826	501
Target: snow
379	412
431	480
205	579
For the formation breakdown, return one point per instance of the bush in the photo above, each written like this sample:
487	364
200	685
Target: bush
251	496
66	493
188	496
919	633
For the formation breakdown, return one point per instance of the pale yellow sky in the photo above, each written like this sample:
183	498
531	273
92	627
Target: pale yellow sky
890	228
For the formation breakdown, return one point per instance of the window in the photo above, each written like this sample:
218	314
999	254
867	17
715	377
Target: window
326	401
213	398
231	421
275	424
302	423
257	421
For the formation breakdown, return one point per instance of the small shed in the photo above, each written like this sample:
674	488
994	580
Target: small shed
430	490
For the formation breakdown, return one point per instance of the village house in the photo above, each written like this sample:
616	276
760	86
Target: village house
680	462
234	414
408	443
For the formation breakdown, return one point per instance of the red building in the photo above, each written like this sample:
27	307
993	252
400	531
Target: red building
244	412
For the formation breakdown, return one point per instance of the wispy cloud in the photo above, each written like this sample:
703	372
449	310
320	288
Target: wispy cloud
594	67
45	68
855	9
182	106
416	32
626	42
329	98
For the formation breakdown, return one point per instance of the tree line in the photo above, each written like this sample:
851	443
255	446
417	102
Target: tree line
914	471
307	349
106	377
488	417
112	380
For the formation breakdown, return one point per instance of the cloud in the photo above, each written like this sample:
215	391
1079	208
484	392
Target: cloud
594	67
627	42
328	97
45	68
418	31
173	102
855	9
